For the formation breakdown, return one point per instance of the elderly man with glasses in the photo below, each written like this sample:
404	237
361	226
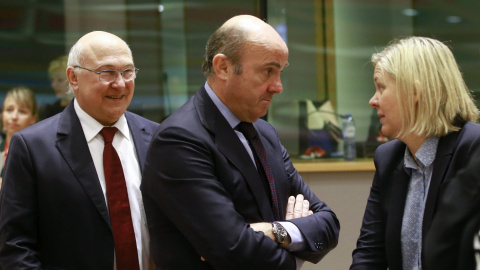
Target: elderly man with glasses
70	197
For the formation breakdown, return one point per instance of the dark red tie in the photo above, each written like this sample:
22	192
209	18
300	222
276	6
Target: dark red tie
118	205
250	133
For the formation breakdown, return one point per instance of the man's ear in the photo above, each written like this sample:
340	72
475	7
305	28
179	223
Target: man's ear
72	77
222	66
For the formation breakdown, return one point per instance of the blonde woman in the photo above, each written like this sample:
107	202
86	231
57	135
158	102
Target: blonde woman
58	78
19	111
424	104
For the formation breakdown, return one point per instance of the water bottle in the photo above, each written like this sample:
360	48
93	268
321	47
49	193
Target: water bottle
349	150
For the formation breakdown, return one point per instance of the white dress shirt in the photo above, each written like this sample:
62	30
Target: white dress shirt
125	147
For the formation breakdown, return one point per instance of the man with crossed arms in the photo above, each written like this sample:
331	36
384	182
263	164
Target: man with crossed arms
218	200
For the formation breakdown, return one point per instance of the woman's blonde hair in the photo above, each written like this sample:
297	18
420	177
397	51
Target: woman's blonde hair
58	64
25	97
425	68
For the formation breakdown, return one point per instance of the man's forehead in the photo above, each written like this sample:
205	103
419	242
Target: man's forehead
101	57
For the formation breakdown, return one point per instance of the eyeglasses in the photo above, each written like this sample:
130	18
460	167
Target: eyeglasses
110	75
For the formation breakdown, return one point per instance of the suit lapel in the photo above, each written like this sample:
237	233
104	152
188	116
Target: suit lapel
227	142
445	148
141	138
398	193
73	146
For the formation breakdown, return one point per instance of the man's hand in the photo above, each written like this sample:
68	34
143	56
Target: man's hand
298	207
265	227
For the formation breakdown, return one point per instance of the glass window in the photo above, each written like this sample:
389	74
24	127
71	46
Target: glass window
330	45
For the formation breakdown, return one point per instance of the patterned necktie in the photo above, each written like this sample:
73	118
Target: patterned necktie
118	205
250	133
411	225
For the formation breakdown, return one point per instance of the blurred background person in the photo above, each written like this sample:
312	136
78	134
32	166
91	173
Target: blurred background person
19	111
425	106
58	79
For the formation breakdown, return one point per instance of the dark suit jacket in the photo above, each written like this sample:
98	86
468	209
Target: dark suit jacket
378	246
201	190
53	213
449	244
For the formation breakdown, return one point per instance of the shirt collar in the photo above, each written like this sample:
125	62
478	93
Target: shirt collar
232	120
92	127
424	156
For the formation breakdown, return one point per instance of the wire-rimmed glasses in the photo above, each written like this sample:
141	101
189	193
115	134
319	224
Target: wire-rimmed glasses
110	75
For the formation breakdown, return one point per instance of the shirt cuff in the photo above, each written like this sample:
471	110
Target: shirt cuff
298	242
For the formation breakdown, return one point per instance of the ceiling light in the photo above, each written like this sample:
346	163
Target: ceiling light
410	12
453	19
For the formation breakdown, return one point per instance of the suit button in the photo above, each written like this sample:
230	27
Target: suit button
319	246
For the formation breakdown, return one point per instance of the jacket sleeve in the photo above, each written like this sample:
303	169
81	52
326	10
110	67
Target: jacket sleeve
18	210
370	251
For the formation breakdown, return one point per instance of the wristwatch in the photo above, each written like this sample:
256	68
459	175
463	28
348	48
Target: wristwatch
279	232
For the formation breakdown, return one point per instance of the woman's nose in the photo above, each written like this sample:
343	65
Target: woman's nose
373	101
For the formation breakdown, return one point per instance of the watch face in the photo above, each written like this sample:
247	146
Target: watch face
280	232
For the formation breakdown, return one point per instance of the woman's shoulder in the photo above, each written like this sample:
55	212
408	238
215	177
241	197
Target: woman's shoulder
471	127
470	133
391	147
389	154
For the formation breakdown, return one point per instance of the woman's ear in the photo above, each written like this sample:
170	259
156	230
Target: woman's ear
418	88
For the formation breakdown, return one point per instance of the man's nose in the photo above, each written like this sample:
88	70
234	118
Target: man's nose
276	86
119	81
